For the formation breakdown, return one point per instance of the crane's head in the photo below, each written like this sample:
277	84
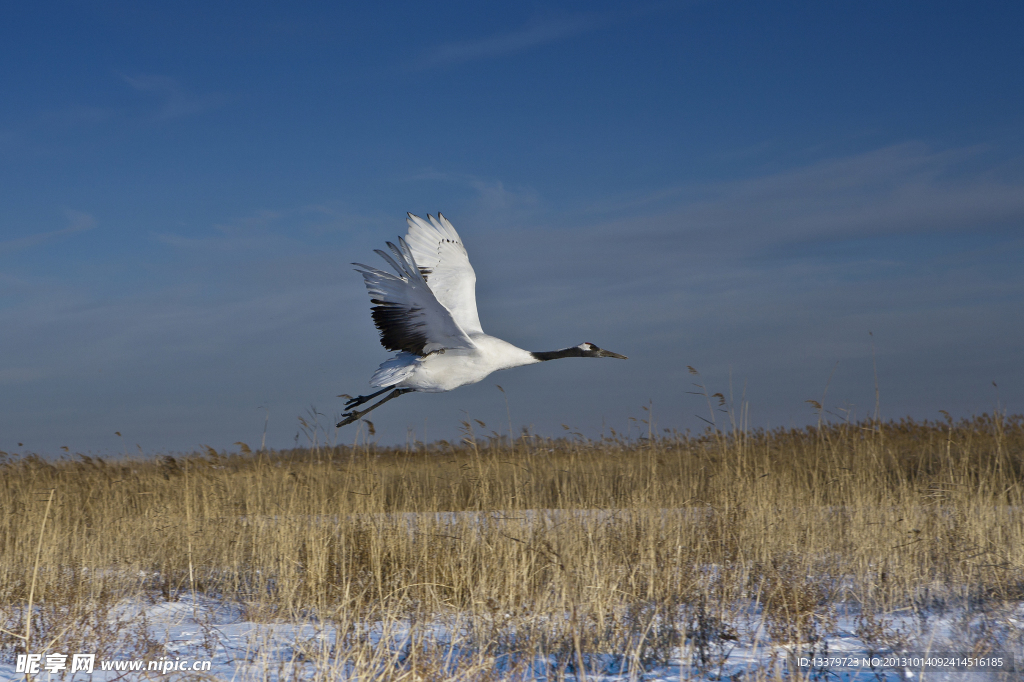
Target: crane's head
589	350
584	350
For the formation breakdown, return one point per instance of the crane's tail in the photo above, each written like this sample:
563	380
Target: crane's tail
396	370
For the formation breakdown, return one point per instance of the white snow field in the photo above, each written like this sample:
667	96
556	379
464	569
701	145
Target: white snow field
219	642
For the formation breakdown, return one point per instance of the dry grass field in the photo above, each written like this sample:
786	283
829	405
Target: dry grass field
459	560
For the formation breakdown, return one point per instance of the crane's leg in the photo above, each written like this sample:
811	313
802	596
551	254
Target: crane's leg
350	417
353	402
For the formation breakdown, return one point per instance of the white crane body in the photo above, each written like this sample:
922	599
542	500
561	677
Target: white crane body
454	367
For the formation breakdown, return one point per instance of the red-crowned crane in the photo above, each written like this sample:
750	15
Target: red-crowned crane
427	312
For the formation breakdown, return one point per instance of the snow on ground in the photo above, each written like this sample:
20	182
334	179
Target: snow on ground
224	645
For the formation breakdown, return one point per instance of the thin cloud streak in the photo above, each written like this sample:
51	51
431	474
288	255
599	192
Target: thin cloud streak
899	190
270	231
493	202
77	222
449	54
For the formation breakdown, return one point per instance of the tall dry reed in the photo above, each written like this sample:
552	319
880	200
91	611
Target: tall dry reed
561	549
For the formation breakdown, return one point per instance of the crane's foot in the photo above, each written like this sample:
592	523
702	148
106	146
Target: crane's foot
355	402
349	417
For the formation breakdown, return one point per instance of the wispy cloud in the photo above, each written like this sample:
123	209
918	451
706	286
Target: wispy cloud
901	189
174	100
77	222
252	232
492	201
267	230
540	33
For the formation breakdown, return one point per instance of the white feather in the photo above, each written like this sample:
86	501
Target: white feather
437	248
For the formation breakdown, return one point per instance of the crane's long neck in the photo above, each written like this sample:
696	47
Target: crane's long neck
573	352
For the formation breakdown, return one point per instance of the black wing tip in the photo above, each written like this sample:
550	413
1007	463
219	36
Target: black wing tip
399	330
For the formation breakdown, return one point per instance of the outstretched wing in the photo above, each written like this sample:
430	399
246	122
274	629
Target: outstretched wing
444	263
405	310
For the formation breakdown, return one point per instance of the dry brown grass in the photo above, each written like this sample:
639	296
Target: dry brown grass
561	549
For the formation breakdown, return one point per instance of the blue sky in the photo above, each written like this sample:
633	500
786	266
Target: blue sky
745	188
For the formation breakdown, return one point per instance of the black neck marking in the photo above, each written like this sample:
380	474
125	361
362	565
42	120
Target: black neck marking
574	352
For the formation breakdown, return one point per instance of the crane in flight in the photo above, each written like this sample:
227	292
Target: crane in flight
427	312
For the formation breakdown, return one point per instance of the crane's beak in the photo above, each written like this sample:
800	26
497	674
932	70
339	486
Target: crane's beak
602	353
